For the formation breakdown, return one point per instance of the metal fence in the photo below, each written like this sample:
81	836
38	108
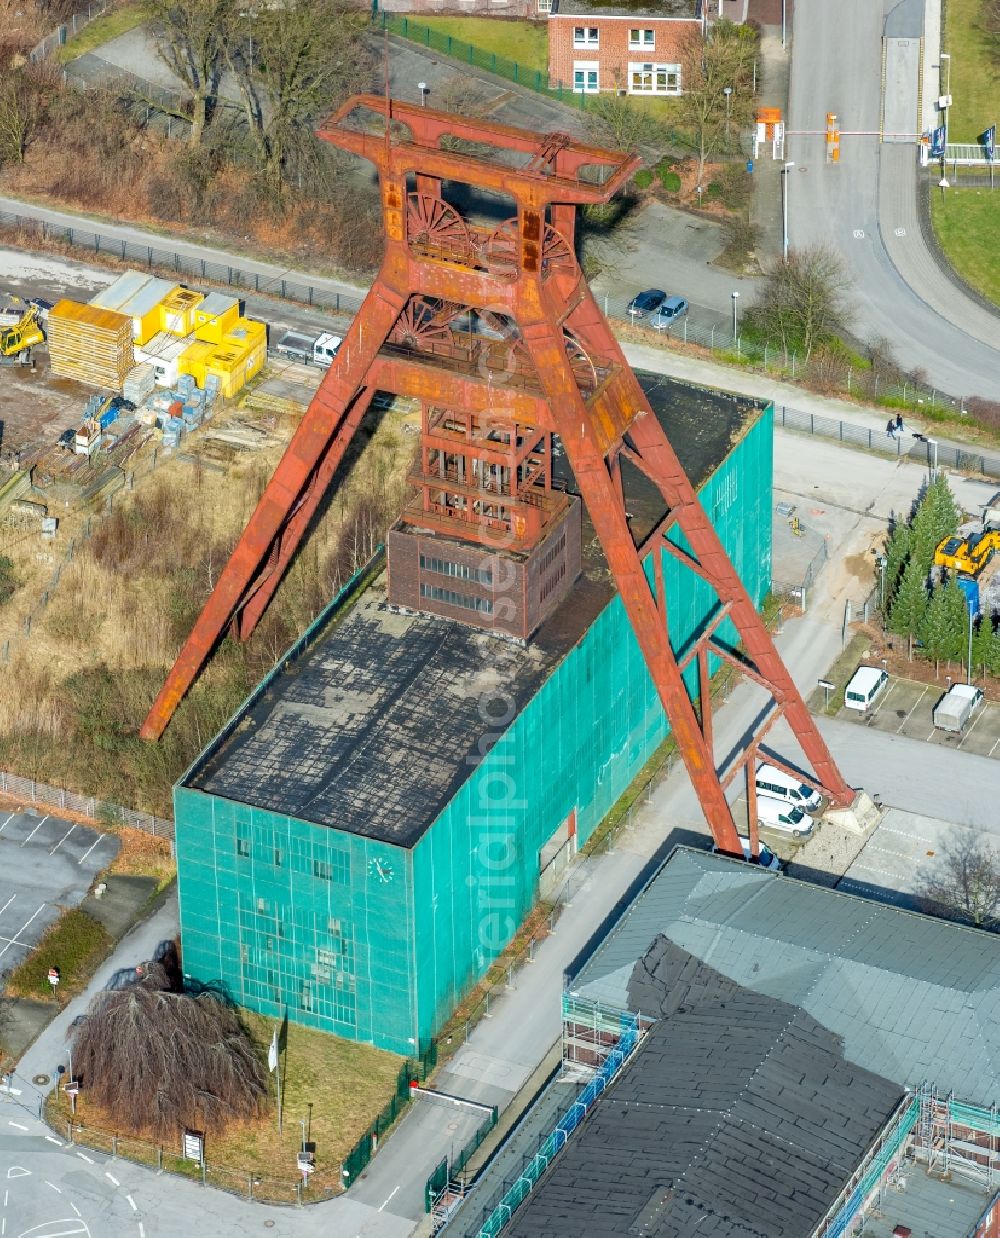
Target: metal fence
32	792
921	448
171	262
410	1074
72	26
479	58
800	589
714	331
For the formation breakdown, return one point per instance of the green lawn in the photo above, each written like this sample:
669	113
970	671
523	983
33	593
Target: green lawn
104	29
523	41
975	76
967	223
75	944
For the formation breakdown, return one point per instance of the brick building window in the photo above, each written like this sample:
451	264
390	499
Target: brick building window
483	605
654	79
586	78
641	38
445	567
586	36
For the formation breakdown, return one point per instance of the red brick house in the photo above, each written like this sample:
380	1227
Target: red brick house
632	46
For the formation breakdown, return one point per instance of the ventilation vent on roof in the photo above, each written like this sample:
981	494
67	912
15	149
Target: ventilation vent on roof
648	1219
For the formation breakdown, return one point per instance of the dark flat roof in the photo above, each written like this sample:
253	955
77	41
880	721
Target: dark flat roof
690	9
373	729
738	1115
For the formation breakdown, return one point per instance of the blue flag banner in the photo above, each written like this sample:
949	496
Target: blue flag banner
937	142
989	141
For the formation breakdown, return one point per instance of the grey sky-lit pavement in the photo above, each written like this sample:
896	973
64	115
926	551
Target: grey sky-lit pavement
45	863
859	206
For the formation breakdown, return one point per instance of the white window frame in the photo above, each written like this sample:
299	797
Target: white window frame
644	40
586	68
652	71
543	7
586	36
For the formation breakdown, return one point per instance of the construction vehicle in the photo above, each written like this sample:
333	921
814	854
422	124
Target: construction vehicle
968	554
16	342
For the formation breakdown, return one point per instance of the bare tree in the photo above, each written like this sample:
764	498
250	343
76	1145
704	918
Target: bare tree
191	38
19	114
159	1060
989	24
964	883
803	301
617	120
725	58
293	62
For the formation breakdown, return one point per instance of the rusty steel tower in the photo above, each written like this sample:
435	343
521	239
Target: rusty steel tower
541	362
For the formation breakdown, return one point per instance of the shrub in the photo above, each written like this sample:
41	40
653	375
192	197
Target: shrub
714	189
669	179
643	178
8	579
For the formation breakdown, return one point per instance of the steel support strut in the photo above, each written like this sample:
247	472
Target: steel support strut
567	376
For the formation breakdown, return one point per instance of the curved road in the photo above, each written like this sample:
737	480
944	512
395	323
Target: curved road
865	208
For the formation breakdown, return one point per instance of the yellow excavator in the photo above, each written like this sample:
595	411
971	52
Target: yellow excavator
968	554
16	342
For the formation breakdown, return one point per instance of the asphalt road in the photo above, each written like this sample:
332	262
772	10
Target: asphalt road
864	208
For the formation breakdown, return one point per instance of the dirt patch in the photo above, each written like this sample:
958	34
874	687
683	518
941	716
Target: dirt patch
36	407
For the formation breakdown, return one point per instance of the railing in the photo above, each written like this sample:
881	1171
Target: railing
169	261
62	34
466	53
410	1073
32	792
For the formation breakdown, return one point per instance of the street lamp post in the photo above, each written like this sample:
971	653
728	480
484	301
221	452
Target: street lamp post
784	208
783	23
736	297
728	92
945	101
969	677
422	87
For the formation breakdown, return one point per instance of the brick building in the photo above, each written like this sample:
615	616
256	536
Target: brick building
632	46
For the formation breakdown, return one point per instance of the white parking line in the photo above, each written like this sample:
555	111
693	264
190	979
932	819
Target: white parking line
7	904
36	829
982	714
84	1157
7	822
63	839
131	1202
53	1139
14	940
994	748
17	1126
91	848
112	1179
57	1189
76	1209
915	704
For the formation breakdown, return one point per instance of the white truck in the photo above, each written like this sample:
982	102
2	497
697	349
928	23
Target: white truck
956	707
309	349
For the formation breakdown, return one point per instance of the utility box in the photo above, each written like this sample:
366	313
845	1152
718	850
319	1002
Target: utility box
954	710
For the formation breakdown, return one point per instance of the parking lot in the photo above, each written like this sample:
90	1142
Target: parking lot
907	707
46	864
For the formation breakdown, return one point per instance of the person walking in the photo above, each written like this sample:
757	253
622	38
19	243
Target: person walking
890	428
899	423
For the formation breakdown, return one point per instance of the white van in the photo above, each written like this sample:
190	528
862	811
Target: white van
777	815
778	785
325	349
866	686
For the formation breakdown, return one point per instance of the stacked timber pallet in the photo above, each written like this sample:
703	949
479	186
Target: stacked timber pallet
92	345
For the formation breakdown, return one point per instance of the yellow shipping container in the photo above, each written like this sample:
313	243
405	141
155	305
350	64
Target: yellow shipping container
217	315
177	311
239	357
194	360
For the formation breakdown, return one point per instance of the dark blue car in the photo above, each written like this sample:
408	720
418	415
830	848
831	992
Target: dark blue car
647	302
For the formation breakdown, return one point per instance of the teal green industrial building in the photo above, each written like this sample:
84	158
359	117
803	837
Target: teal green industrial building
366	835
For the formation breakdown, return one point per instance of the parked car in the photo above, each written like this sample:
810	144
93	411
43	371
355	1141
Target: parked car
866	686
672	310
777	815
765	856
778	785
957	706
647	302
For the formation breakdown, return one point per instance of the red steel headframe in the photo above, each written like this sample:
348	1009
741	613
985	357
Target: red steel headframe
526	271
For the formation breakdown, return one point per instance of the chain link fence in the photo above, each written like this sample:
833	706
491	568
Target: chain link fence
63	33
170	262
29	791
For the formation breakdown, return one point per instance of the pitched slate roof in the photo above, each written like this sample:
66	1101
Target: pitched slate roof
738	1116
915	998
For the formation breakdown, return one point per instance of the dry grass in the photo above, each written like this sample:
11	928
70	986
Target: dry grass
142	855
114	623
76	944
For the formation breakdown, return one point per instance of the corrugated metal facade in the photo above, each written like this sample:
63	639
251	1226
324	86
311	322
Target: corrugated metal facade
379	943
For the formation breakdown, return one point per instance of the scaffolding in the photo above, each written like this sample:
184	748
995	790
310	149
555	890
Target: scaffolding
958	1138
590	1032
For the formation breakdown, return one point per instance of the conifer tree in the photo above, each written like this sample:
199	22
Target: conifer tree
910	604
